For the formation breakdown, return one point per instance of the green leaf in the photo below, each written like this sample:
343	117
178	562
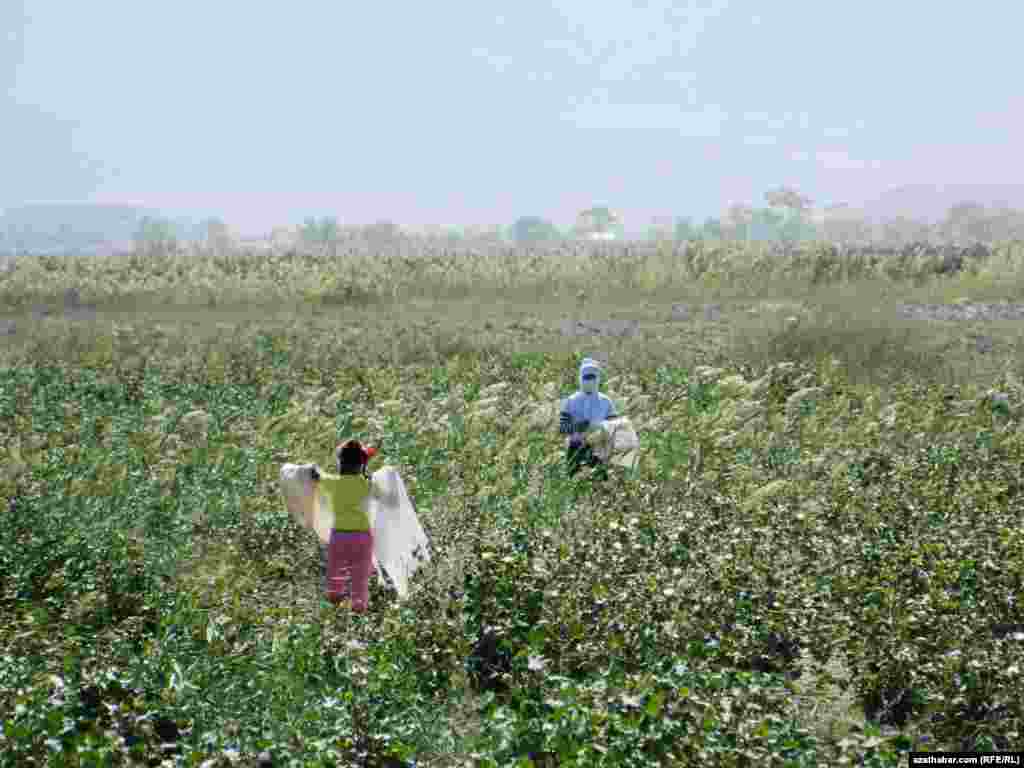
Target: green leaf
655	703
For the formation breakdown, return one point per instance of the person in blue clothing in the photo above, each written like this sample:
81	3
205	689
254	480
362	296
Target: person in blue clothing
581	411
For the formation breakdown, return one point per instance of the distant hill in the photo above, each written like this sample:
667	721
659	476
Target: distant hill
930	203
76	227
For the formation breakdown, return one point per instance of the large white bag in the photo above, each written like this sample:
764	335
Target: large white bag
303	504
614	441
400	544
399	541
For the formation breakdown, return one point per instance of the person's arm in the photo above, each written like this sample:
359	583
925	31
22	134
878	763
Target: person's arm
565	424
613	413
373	463
566	427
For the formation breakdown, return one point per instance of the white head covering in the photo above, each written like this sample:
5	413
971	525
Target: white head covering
590	366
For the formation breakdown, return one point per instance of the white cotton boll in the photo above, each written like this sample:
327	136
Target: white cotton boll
612	439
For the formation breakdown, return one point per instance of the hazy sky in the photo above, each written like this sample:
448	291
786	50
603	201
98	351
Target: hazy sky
459	113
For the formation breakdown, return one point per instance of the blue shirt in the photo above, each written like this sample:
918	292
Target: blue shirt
582	407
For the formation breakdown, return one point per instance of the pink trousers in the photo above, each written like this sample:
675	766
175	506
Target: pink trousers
349	562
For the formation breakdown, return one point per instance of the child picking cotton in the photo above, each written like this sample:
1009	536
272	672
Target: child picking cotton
350	547
353	512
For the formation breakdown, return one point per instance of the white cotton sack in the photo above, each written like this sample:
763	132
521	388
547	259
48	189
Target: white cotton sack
613	439
399	542
302	500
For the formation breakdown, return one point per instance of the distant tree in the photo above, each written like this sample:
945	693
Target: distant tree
330	232
766	224
309	231
322	234
684	229
796	209
155	235
186	229
533	229
712	229
789	230
597	221
796	227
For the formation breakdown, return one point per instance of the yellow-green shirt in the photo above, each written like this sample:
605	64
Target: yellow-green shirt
344	496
